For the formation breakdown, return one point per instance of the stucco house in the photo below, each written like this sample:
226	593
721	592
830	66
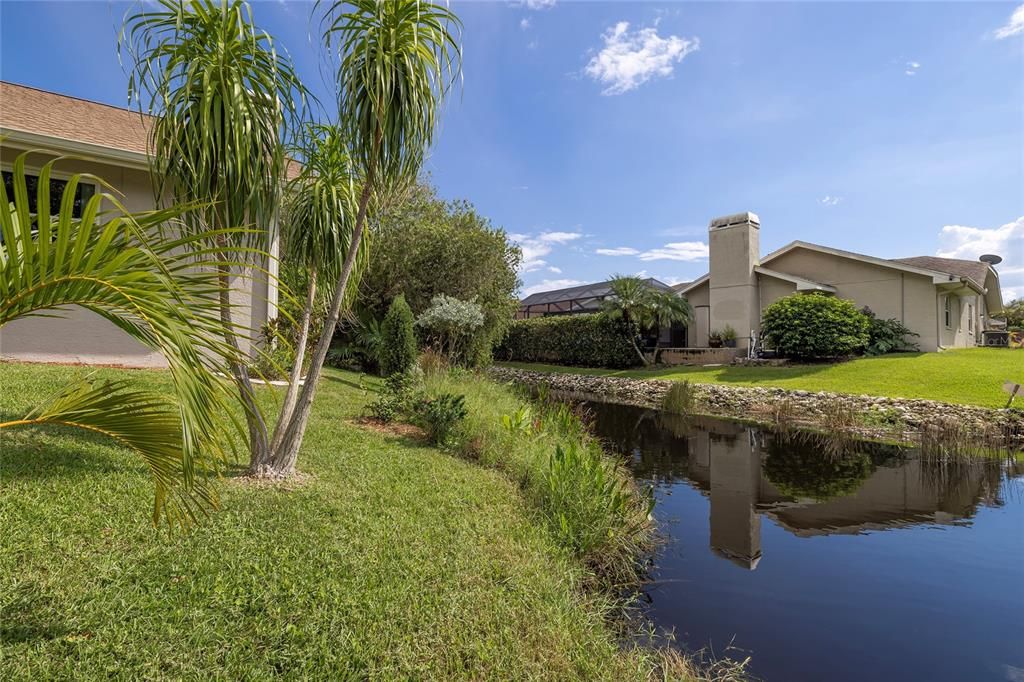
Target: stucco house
111	143
948	302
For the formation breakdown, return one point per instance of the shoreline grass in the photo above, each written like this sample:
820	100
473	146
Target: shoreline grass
393	560
969	376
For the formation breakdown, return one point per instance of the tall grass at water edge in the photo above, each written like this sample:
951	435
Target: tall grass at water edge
590	503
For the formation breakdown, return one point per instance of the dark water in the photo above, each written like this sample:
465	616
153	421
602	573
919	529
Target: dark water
877	565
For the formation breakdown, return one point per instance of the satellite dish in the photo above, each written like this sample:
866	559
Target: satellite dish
991	259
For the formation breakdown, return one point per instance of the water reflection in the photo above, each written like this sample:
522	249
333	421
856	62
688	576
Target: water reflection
792	478
868	564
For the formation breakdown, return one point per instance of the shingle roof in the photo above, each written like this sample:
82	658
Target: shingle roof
974	270
50	114
69	118
596	290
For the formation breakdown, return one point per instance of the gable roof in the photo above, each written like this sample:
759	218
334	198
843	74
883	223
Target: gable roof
40	114
973	270
582	291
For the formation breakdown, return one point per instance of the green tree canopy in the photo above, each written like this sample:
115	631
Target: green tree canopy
425	247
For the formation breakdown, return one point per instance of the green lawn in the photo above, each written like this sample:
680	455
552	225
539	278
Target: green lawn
397	561
968	376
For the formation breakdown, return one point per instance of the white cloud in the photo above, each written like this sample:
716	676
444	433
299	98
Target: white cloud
618	251
535	247
1013	27
960	241
557	271
631	58
829	200
559	237
524	23
550	284
683	251
912	68
539	4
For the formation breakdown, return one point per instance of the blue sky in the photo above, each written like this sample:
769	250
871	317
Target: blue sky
605	136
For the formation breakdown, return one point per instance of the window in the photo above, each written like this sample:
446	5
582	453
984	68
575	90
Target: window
948	309
970	318
83	192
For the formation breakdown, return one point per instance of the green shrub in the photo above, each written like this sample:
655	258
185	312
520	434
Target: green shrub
589	340
398	397
887	336
398	342
814	325
449	325
440	416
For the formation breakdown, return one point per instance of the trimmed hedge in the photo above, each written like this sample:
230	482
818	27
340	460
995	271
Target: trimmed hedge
588	340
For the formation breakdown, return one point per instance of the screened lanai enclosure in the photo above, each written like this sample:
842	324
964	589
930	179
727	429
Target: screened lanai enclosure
587	298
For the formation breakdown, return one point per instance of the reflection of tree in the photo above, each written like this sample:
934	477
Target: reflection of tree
801	471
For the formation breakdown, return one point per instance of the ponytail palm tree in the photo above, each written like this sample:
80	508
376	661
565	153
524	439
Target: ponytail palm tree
317	233
398	61
224	100
162	293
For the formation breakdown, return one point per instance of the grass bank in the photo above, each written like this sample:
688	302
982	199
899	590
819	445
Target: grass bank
969	376
393	561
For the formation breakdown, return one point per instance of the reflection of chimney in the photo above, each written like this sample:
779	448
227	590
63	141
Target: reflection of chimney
735	482
734	251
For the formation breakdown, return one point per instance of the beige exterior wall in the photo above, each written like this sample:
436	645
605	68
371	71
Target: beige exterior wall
890	293
772	289
82	336
697	331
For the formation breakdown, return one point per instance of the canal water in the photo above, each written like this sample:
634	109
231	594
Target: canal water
875	564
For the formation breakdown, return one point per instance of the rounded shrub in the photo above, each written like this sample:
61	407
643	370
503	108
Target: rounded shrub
398	339
814	325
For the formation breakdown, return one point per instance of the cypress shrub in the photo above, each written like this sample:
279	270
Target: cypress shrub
398	342
589	340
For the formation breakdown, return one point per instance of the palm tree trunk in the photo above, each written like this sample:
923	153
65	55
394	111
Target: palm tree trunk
286	454
258	450
296	374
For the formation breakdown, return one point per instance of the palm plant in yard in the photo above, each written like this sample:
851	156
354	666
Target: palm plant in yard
162	293
224	101
317	235
398	60
643	307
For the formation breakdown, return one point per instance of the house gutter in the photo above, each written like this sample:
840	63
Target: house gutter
35	141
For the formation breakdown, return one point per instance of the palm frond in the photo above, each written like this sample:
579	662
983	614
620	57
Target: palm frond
162	293
399	60
139	420
224	99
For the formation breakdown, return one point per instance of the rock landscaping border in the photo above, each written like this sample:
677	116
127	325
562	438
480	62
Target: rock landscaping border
902	419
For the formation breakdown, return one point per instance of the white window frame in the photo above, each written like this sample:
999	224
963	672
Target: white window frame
947	310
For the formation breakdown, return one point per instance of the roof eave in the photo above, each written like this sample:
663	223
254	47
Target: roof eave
35	141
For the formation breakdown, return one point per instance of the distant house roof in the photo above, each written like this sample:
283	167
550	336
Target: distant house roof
583	291
974	270
31	116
